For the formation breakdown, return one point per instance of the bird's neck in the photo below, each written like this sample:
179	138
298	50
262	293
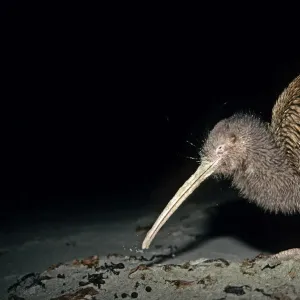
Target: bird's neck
270	181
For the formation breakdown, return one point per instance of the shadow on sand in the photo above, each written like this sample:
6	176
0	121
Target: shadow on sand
244	221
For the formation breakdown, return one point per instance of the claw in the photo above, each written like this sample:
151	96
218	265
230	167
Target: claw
276	259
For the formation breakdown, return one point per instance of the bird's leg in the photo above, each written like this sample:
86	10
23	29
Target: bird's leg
276	259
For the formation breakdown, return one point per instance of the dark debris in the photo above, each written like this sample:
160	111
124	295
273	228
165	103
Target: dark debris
134	295
29	280
141	267
95	279
236	290
83	283
148	289
112	268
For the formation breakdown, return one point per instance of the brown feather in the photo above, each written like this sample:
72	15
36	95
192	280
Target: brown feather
285	123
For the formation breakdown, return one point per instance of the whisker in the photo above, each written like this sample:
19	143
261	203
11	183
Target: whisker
191	143
189	157
192	158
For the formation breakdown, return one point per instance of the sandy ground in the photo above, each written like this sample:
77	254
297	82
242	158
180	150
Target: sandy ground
50	260
55	263
116	277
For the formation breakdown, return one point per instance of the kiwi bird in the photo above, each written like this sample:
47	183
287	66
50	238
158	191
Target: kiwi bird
262	159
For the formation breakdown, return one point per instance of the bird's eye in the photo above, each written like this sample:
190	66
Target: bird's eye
220	149
232	138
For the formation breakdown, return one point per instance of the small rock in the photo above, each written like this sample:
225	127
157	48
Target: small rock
134	295
148	289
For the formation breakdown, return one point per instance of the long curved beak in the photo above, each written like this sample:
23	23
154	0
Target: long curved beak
204	171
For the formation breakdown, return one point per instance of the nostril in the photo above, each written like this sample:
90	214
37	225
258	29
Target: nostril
220	149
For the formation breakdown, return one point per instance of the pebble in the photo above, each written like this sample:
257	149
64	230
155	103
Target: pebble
148	289
134	295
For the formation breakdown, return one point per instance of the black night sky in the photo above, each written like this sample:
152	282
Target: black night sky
98	102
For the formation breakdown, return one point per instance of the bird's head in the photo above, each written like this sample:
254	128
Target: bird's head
225	151
225	148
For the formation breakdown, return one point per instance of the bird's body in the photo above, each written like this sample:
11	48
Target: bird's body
263	160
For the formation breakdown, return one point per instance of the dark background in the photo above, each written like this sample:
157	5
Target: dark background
98	101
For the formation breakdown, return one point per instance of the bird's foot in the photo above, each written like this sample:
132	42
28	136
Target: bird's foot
293	253
276	259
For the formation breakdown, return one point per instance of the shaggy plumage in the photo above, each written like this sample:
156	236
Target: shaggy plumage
258	166
263	160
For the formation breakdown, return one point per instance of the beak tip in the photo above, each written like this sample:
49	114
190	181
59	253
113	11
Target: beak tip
145	245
